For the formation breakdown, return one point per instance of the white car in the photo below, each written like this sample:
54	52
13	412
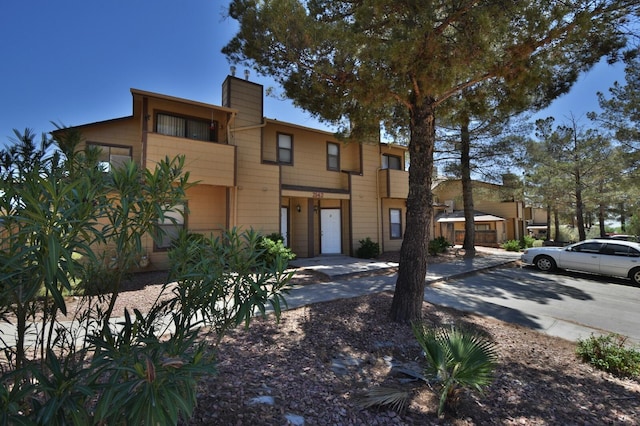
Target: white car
616	258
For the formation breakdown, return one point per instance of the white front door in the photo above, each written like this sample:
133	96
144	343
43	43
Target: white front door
284	225
330	236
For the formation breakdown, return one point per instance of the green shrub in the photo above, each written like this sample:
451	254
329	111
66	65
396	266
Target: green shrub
527	241
273	246
511	245
145	369
438	245
610	353
368	249
456	359
275	236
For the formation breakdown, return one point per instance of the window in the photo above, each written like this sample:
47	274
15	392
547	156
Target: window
111	156
588	247
190	128
333	156
619	250
285	148
169	228
391	162
482	227
395	224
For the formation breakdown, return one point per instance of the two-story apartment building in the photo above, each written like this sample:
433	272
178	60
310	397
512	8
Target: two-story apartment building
499	215
321	194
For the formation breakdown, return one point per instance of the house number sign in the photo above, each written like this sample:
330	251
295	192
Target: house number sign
318	195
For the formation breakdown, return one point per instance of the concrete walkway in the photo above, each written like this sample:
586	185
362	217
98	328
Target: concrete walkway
351	277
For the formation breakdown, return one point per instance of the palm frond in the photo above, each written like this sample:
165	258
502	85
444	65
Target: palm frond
396	399
456	358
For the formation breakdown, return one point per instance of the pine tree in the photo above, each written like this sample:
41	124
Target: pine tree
363	63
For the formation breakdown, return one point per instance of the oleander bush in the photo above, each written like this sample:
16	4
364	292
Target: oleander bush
57	209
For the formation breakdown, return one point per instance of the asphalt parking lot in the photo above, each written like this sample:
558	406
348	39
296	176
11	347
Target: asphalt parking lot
565	304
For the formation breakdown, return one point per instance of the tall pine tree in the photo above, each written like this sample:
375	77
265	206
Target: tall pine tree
399	61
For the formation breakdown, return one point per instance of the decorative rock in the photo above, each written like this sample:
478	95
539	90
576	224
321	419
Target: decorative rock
340	364
265	399
294	419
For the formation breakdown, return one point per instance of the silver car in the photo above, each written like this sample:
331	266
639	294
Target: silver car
616	258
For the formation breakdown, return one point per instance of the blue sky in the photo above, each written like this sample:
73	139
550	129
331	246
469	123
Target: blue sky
73	62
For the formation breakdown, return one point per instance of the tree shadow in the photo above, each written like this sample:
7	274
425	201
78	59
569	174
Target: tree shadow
319	357
537	287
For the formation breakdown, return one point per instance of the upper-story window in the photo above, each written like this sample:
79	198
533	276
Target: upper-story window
111	156
333	156
285	148
392	162
187	127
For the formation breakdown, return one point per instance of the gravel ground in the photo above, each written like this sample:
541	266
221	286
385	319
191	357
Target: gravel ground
312	367
321	358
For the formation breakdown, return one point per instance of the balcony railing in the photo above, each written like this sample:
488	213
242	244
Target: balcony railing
207	162
393	183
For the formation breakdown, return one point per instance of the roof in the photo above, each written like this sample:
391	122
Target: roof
298	126
143	93
458	216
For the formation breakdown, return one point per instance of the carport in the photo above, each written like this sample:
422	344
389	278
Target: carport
490	229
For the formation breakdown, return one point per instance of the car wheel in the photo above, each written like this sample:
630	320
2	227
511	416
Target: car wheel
545	263
635	276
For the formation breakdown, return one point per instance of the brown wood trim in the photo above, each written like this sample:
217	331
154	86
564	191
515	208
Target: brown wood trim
350	220
145	129
235	165
311	228
228	207
388	189
314	189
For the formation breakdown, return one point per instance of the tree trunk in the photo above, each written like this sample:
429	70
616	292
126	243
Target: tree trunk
21	331
556	222
548	222
622	217
469	243
582	235
601	214
409	292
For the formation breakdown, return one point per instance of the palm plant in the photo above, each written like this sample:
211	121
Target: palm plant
456	359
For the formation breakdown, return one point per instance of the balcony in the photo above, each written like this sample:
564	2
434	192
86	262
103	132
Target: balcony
393	183
207	162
